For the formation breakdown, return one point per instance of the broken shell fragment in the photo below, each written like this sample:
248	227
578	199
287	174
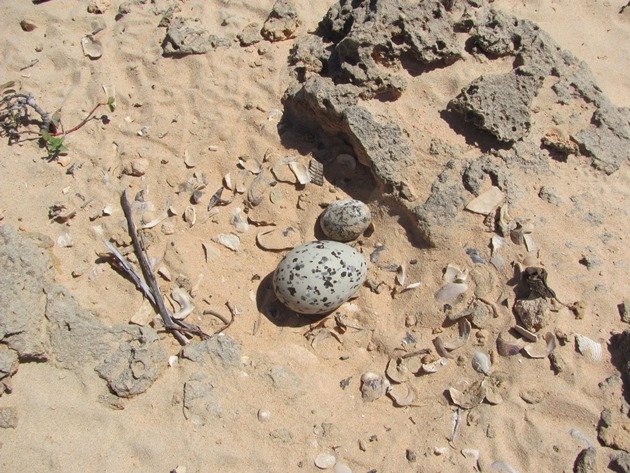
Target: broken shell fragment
397	370
190	215
300	171
316	171
540	349
279	239
464	327
451	291
258	188
228	240
182	298
481	362
591	350
237	220
471	397
250	164
373	386
92	48
487	201
526	334
402	394
435	366
507	348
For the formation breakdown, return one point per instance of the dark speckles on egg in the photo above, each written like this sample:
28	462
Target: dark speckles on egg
322	276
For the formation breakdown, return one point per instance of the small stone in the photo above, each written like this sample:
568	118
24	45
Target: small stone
532	396
8	418
624	311
136	167
534	314
323	461
27	25
411	456
264	415
585	461
341	468
558	365
549	195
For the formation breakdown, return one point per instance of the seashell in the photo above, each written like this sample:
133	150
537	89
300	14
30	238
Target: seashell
237	220
172	360
435	366
107	210
227	182
409	287
182	298
341	468
300	171
345	220
263	415
229	240
323	461
258	189
215	199
402	394
164	272
373	386
196	196
471	397
250	164
506	348
497	243
281	171
316	171
65	240
481	362
502	467
210	252
451	291
526	334
397	370
589	348
463	326
537	351
487	201
279	239
440	451
470	453
92	48
453	273
190	215
401	275
530	245
440	348
189	161
346	160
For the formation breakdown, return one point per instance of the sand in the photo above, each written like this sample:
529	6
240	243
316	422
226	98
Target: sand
217	107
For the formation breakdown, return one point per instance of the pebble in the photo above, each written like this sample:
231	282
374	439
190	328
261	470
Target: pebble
341	468
345	220
8	418
411	455
323	461
136	167
264	415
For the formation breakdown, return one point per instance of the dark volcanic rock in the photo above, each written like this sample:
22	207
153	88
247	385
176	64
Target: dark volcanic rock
500	103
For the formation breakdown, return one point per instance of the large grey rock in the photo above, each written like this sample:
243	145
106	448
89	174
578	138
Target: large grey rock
200	404
281	23
368	37
220	349
435	217
25	267
321	106
500	103
187	36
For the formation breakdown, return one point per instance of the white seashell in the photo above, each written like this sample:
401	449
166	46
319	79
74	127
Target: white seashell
373	386
497	243
589	348
397	370
435	366
189	161
250	164
440	451
228	240
316	171
190	215
281	171
451	291
227	182
172	360
401	275
65	240
164	272
402	394
263	415
481	362
341	468
323	461
301	172
107	210
182	298
463	327
210	252
470	453
92	48
470	397
529	242
535	350
279	239
526	334
487	201
237	220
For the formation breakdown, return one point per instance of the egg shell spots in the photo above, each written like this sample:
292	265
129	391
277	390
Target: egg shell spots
345	220
317	277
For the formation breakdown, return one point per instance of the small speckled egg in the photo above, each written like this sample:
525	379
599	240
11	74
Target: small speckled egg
317	277
345	220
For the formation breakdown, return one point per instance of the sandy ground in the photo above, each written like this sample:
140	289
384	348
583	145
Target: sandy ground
217	107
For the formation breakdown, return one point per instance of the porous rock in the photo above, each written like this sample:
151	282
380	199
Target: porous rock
221	349
534	314
369	36
187	36
24	273
199	403
8	363
319	105
281	23
586	461
614	429
500	103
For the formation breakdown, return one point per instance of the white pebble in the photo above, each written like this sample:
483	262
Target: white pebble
341	468
440	450
323	461
264	415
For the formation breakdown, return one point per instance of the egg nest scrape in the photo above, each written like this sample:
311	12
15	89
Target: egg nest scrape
317	277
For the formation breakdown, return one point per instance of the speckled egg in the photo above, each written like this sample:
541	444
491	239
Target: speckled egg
317	277
345	220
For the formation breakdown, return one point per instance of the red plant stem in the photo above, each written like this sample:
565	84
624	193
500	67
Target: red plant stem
83	122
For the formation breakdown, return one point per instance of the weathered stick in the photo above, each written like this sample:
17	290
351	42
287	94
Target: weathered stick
145	266
131	272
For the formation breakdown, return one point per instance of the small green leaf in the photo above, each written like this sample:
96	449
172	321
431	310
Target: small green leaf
56	118
111	103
